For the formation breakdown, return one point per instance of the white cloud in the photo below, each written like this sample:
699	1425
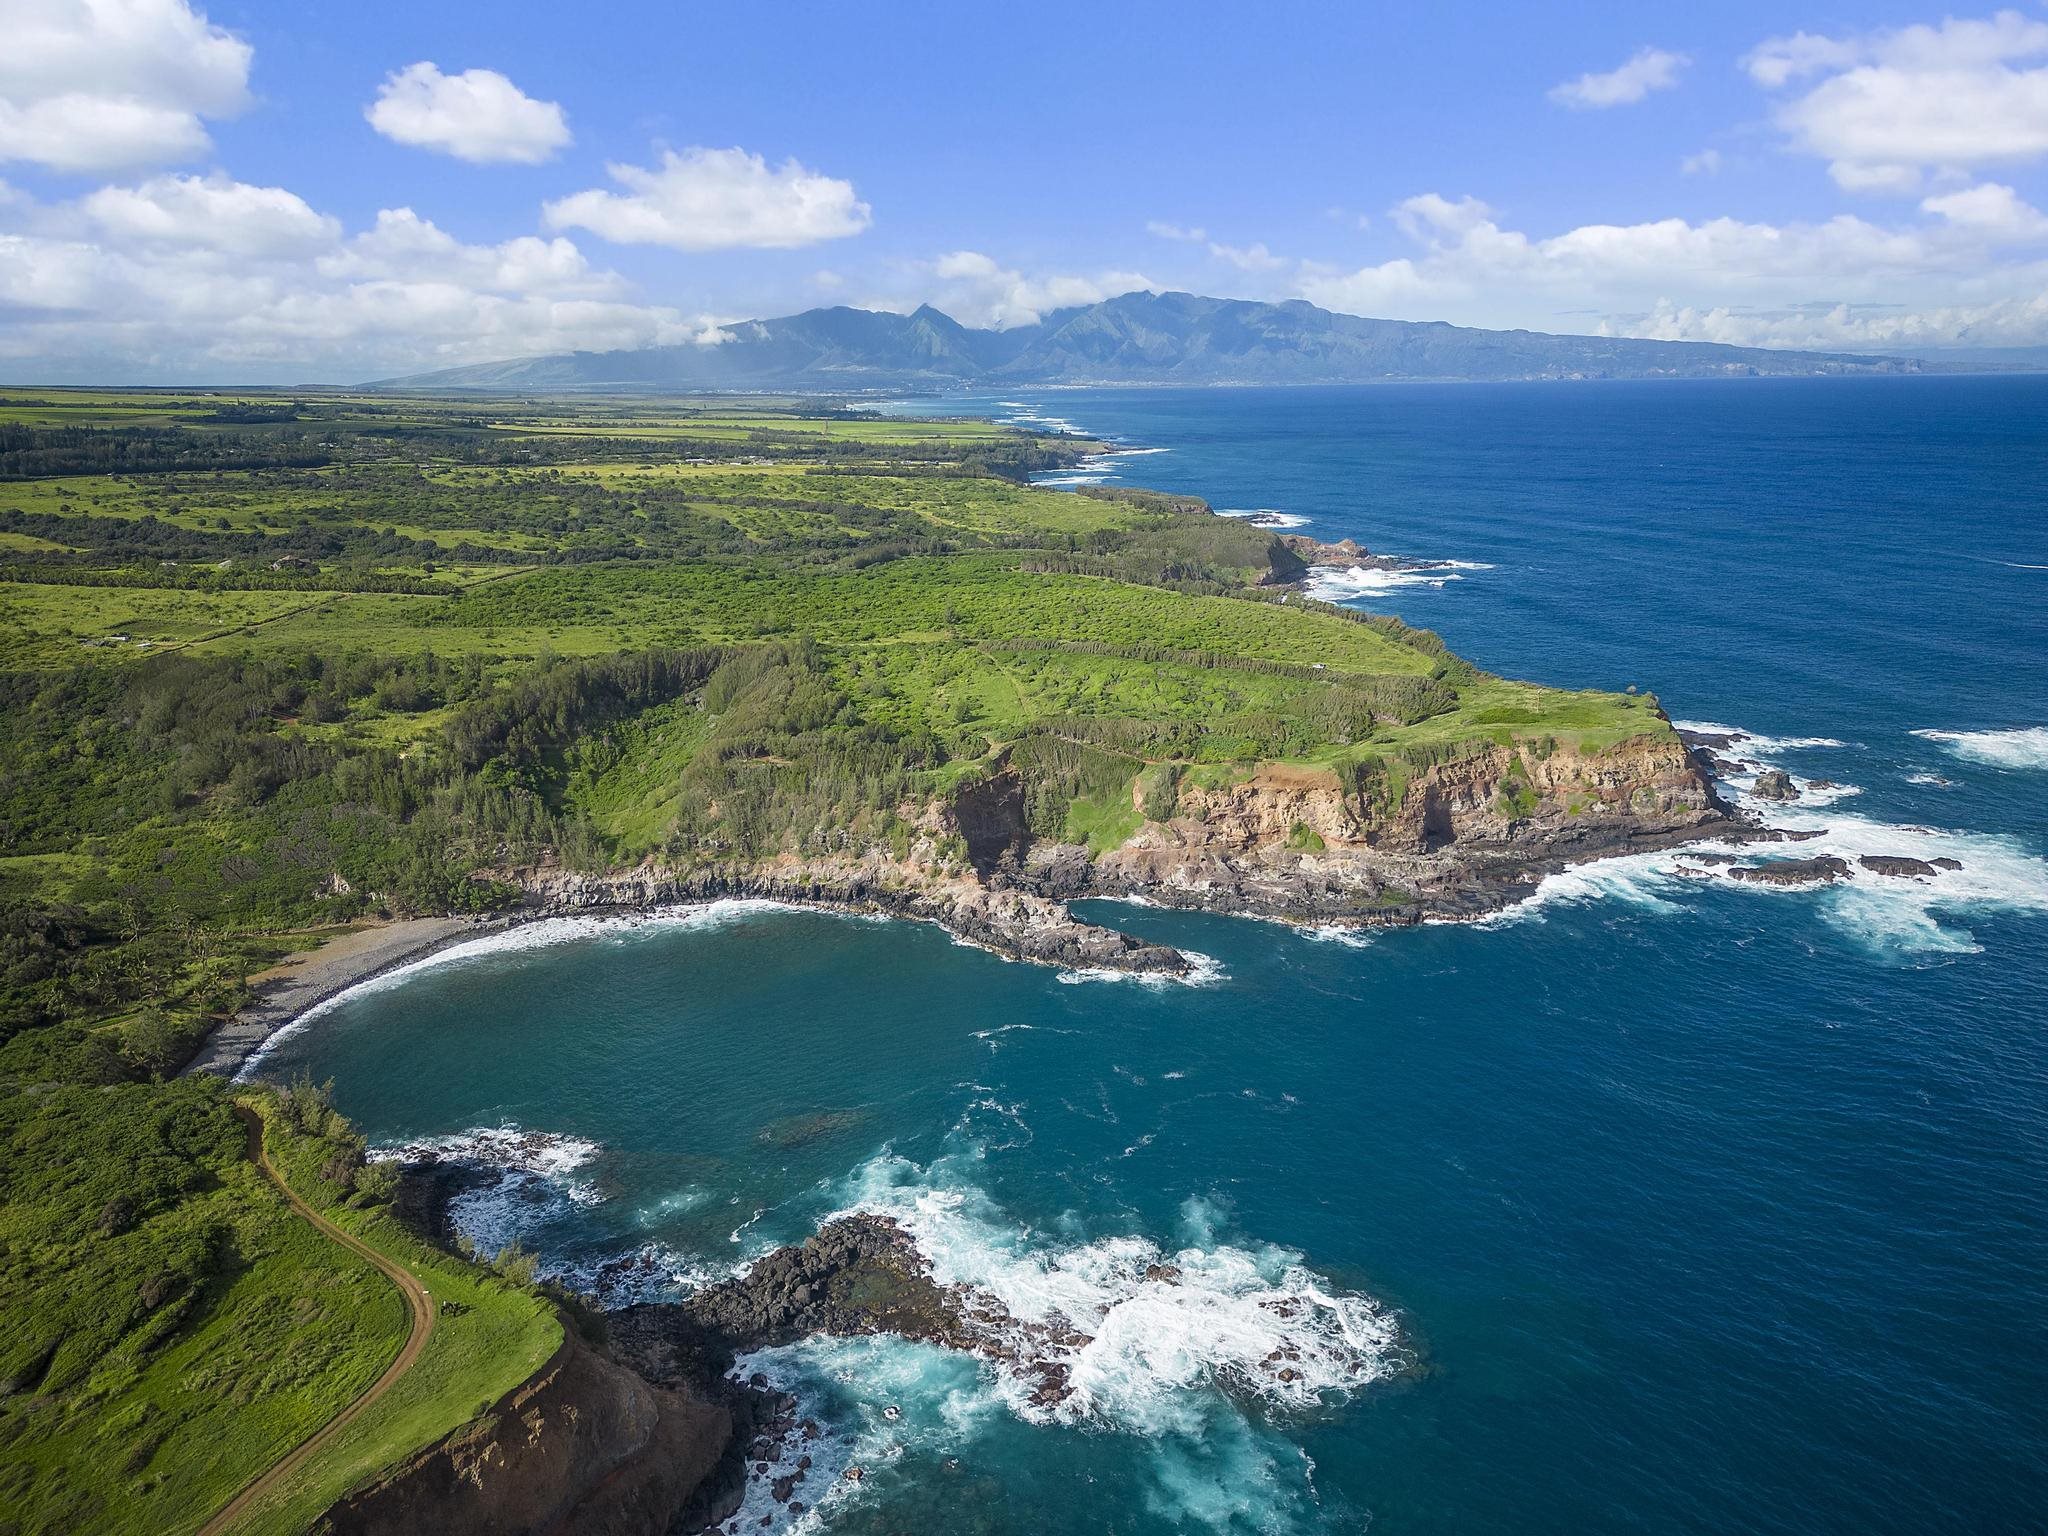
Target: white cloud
97	85
1246	258
1992	208
183	277
1647	70
2014	322
478	115
212	213
1431	217
1706	163
716	199
1474	270
979	291
1896	105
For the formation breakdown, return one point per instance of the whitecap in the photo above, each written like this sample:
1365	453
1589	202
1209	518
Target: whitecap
1203	971
1142	1331
2023	747
1340	583
525	1182
1752	741
1889	914
1333	933
1266	517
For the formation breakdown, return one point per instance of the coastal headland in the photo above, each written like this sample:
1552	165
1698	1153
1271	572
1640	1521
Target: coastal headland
307	690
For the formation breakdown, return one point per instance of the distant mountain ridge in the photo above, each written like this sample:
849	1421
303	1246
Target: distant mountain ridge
1135	338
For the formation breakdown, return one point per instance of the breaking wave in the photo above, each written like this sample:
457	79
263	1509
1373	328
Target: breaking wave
1266	517
1918	913
1193	1345
513	1185
1348	583
2026	747
1157	1323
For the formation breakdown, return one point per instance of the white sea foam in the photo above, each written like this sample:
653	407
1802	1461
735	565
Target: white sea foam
1203	971
1351	938
1890	914
1347	583
1266	517
1156	1327
1754	744
2025	747
1171	1355
547	1154
525	1178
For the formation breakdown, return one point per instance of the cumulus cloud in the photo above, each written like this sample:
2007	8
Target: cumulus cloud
1647	70
977	290
101	85
1706	163
2014	322
478	115
210	213
1979	247
1889	107
190	278
1992	209
716	199
1166	231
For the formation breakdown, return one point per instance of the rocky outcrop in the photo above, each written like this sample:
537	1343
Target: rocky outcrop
1904	868
858	1275
1774	784
585	1446
1017	923
1824	870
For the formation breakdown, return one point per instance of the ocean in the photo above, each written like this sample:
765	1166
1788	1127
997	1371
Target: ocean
1657	1203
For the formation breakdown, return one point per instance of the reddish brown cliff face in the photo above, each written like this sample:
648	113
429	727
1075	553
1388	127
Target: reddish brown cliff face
585	1446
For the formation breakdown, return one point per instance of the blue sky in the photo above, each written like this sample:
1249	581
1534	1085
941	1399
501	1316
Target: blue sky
287	191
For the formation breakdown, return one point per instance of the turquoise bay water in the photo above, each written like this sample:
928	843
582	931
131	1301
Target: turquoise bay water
1662	1204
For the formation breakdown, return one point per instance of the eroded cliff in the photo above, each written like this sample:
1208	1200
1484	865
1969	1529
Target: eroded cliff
586	1446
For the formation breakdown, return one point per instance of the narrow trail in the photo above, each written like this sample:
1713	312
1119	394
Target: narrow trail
419	1305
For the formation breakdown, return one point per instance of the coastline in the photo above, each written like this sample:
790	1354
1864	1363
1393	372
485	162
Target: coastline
299	983
304	982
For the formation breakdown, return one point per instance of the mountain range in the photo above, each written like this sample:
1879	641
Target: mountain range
1135	338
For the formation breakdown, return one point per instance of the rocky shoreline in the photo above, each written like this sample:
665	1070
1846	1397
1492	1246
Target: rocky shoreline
1284	844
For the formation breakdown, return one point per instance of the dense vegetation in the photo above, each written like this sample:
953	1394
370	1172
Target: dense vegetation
273	666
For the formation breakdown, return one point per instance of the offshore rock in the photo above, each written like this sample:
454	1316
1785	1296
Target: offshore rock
1824	870
1774	784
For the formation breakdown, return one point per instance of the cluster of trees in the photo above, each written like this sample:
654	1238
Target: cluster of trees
35	452
789	761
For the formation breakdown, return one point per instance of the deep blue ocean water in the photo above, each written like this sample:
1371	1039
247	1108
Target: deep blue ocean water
1662	1204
